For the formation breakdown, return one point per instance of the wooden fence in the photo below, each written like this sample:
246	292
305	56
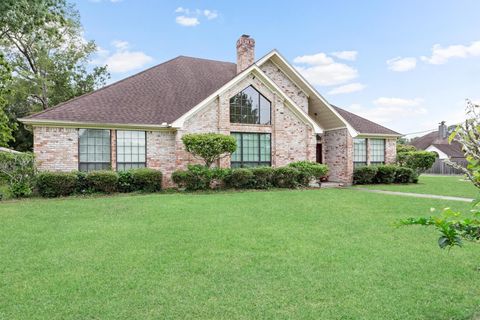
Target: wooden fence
440	167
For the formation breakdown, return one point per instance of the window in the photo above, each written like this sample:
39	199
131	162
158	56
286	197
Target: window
94	149
359	152
253	150
249	106
377	151
131	150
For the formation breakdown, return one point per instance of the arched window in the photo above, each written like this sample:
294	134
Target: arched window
250	106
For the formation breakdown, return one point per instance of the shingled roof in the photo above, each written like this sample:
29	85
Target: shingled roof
160	94
362	125
453	149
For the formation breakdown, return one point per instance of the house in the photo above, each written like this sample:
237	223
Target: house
437	142
276	116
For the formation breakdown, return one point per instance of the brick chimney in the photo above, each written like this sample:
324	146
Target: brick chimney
442	130
245	52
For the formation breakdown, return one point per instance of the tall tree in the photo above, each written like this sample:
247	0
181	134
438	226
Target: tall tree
43	42
6	127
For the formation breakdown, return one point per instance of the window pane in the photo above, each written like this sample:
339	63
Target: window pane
249	106
131	150
253	150
94	149
377	151
360	150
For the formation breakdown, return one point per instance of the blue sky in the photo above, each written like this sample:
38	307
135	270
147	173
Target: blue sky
405	64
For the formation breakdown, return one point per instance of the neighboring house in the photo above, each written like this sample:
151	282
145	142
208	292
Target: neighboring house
437	141
276	116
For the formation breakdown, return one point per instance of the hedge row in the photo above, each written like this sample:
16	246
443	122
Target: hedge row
296	174
384	174
57	184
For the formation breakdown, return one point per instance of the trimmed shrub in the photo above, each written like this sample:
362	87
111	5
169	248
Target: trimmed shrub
146	179
241	178
405	175
102	181
82	186
286	177
364	175
56	184
385	174
419	161
125	181
262	177
196	177
309	171
209	146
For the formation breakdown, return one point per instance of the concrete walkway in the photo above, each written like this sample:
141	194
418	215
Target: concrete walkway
415	195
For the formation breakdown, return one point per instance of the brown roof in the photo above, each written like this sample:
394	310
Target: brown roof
453	149
160	94
363	125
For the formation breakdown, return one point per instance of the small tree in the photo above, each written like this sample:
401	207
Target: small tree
452	225
209	146
419	161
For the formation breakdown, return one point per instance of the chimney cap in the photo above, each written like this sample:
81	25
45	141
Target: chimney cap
245	36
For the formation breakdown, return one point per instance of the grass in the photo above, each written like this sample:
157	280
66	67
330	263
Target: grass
316	254
455	186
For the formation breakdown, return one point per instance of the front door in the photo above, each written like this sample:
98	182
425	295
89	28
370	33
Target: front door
319	153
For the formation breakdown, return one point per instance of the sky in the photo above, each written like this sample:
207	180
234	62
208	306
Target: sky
405	64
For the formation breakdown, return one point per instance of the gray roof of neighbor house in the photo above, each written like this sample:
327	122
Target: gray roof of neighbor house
362	125
160	94
453	149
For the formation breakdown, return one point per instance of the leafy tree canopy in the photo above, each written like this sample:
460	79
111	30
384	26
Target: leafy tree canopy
209	146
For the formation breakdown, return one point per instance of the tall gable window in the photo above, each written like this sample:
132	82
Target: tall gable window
251	107
131	149
94	149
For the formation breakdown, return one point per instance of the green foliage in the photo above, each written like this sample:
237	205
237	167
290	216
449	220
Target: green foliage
6	128
82	186
452	225
241	178
402	148
146	179
385	174
405	175
364	175
18	170
309	171
417	160
262	177
286	177
56	184
43	43
209	146
102	181
125	181
196	177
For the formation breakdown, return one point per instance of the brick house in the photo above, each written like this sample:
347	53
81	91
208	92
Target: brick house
275	114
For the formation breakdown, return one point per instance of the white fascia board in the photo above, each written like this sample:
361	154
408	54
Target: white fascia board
274	52
244	74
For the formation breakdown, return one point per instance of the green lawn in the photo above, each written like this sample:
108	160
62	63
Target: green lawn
317	254
455	186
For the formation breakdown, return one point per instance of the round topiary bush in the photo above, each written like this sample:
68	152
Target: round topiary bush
102	181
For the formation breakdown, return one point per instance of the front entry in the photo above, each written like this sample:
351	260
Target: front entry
319	153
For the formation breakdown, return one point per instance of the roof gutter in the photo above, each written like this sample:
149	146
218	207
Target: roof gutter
75	124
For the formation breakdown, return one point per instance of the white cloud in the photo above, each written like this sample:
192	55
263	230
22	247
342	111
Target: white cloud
397	102
387	115
122	60
191	17
347	88
321	69
210	14
400	64
346	55
441	55
187	21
